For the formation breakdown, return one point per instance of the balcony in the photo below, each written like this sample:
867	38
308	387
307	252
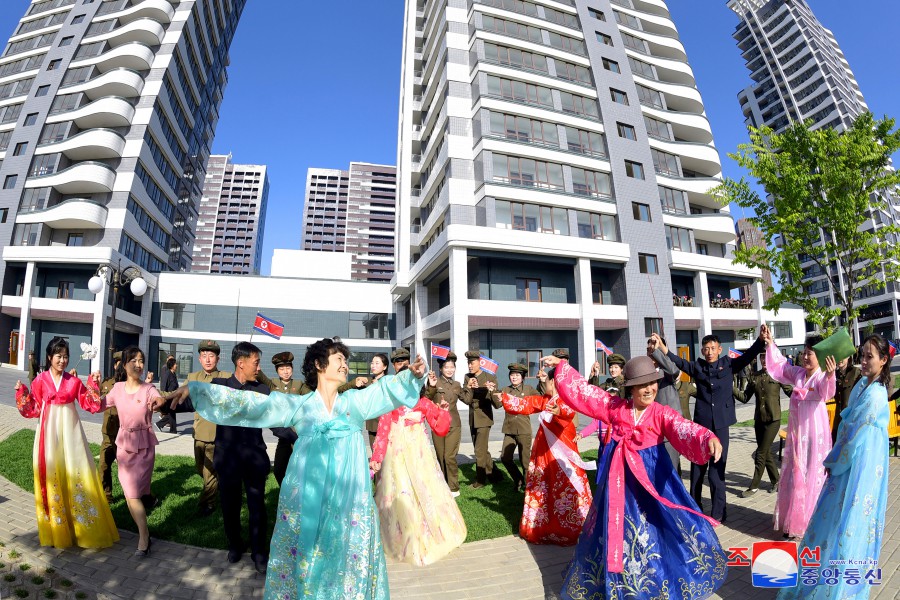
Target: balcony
93	144
83	178
701	158
136	56
730	303
118	82
146	31
105	112
158	10
686	126
688	261
77	213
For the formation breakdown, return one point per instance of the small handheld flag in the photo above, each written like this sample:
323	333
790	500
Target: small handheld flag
439	352
601	347
732	353
892	347
488	365
268	326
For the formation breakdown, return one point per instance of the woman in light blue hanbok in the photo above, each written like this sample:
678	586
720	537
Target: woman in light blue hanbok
848	522
327	542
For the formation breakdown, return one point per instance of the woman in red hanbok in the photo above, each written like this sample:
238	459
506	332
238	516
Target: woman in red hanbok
557	494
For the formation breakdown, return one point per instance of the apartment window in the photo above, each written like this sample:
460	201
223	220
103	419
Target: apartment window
636	44
640	211
647	264
531	217
75	239
177	316
626	131
524	129
10	182
54	64
4	212
531	359
597	292
611	65
781	329
618	96
649	97
597	227
597	14
627	20
78	19
702	249
528	290
604	39
657	129
519	91
653	325
639	67
65	290
42	91
579	105
585	142
25	234
66	41
368	326
30	119
516	58
527	172
672	200
665	163
20	149
634	169
678	238
591	183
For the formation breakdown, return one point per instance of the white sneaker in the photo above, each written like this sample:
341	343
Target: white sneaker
454	494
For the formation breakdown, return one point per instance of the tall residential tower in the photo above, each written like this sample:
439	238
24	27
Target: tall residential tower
554	168
107	113
800	74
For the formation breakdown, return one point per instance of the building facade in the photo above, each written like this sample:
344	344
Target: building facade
554	168
107	113
353	211
799	73
232	218
749	236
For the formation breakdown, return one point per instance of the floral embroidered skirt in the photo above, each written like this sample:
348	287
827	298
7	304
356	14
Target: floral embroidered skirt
69	500
668	553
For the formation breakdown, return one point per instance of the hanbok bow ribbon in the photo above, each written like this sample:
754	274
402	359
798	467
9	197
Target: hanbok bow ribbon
566	457
630	439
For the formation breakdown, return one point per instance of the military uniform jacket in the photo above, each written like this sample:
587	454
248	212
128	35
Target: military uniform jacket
204	431
613	385
481	402
844	383
714	408
768	396
292	386
452	392
105	386
518	424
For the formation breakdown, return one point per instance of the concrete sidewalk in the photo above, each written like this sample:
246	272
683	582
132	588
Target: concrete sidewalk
492	569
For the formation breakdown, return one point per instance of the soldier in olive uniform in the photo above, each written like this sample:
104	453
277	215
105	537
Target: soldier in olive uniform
286	384
445	388
33	366
478	388
109	429
615	383
846	376
517	428
204	431
562	354
766	422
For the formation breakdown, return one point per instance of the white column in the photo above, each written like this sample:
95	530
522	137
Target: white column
100	310
420	311
705	310
583	291
756	293
459	302
25	317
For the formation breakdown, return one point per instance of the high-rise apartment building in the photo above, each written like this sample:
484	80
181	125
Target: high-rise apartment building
749	236
554	168
107	113
353	211
232	219
799	73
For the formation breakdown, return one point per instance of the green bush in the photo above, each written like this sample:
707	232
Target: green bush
21	593
65	583
51	594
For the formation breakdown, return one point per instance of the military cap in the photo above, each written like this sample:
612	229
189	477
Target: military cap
615	359
283	358
399	354
451	356
473	354
117	355
209	345
562	353
517	368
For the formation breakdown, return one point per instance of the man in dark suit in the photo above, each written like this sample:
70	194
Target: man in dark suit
714	409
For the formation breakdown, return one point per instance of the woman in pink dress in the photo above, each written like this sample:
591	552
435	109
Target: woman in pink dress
808	439
136	442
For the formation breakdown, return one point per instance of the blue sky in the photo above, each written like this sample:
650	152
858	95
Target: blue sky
316	84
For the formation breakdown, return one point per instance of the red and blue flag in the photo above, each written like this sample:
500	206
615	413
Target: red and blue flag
491	366
439	352
893	349
601	347
733	353
268	326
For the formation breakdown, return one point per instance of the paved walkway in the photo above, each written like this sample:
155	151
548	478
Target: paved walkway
492	569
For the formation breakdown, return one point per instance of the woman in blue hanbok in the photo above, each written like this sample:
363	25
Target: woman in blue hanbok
327	542
848	522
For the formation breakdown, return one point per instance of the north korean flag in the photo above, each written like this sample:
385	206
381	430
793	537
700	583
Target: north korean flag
732	353
892	348
601	347
488	365
439	352
268	326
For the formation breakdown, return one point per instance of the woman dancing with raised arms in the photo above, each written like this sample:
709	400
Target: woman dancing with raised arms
327	543
644	536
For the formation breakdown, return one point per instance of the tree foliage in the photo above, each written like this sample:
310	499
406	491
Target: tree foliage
824	188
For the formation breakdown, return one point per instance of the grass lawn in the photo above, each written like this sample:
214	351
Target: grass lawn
784	420
490	512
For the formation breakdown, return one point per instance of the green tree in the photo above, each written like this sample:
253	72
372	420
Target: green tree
824	190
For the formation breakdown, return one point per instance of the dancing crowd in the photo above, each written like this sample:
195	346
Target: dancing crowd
640	534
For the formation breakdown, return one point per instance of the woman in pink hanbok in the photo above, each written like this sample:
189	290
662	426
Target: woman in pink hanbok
808	439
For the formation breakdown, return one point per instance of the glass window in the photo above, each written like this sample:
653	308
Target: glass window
634	169
647	264
626	131
591	183
618	96
653	325
10	182
75	239
42	91
597	14
665	163
639	67
177	316
627	20
78	19
672	200
604	39
25	234
579	105
66	41
183	355
678	238
20	149
657	129
640	211
65	290
598	227
504	216
634	43
585	142
528	290
531	359
31	119
368	326
611	65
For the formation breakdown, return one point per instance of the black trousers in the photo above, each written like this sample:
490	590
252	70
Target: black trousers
765	458
716	479
282	456
249	468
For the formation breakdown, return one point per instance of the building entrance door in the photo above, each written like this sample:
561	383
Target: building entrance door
14	347
685	353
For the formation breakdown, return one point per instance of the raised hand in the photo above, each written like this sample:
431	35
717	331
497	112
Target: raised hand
178	396
595	369
149	377
830	365
375	466
715	449
419	368
472	383
577	437
432	379
552	408
550	361
444	405
542	376
18	385
491	386
361	382
658	343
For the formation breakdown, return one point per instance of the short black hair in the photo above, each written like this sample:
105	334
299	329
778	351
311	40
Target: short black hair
243	350
317	356
57	345
128	355
170	363
812	340
709	339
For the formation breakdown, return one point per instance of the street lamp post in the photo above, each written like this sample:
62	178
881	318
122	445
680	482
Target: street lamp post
116	277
